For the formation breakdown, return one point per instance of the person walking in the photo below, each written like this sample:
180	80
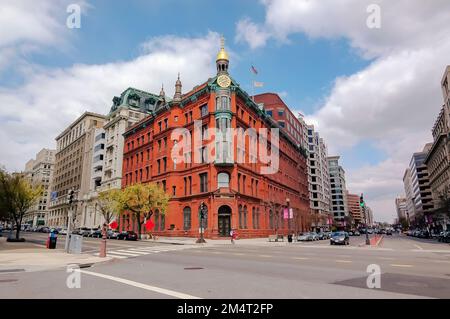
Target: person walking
233	235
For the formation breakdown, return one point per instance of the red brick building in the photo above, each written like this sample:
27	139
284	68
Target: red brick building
236	193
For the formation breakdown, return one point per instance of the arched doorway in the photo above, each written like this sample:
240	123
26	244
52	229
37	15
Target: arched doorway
224	221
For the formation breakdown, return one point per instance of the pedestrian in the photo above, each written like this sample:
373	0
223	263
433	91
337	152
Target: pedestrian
233	235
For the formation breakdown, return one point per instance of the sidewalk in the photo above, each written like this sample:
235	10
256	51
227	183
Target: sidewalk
37	259
215	242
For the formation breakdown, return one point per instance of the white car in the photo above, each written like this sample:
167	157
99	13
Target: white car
63	231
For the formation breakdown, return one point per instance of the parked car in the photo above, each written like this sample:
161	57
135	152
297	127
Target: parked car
322	236
84	231
97	233
389	232
305	237
112	234
63	231
339	238
315	236
44	229
356	233
127	235
444	237
93	231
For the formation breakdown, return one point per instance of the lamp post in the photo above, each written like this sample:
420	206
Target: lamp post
288	205
201	240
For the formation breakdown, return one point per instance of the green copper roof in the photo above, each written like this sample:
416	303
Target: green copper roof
137	99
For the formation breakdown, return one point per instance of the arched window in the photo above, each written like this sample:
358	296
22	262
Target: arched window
205	219
163	222
271	223
156	220
223	180
245	217
240	217
187	218
257	218
254	218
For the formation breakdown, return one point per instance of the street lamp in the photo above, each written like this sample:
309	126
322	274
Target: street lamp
201	240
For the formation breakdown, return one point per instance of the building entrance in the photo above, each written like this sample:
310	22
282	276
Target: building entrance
224	221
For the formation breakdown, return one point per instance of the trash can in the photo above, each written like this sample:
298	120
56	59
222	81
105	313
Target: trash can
51	240
75	244
290	238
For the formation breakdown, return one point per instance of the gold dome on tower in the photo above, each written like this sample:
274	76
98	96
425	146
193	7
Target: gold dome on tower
223	54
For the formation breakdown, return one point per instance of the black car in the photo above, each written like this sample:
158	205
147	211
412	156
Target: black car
127	235
389	232
97	233
339	238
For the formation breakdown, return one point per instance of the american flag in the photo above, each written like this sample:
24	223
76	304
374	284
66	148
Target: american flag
254	70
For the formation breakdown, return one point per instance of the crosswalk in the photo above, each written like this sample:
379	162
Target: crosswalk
144	250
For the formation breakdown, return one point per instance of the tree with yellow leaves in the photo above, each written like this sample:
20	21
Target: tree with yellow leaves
142	200
17	196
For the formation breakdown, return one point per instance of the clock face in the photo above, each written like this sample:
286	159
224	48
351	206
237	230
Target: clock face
224	81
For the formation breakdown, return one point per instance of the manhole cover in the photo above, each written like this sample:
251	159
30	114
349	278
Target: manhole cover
193	268
412	284
7	280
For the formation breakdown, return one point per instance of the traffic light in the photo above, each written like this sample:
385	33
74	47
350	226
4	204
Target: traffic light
71	196
361	201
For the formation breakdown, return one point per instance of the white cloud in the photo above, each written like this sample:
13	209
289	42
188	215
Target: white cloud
29	27
395	100
33	114
251	33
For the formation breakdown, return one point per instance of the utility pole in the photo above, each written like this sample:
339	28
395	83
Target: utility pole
362	204
70	198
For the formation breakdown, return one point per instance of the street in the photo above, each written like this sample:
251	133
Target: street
410	268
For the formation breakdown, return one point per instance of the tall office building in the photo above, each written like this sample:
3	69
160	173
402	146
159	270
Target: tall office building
354	209
128	109
417	187
39	172
318	180
401	207
73	168
338	187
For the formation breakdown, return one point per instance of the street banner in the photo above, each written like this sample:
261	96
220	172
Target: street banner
258	84
291	213
113	225
286	213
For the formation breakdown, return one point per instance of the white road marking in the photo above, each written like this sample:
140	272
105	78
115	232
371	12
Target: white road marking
122	253
301	258
400	265
265	256
429	251
145	252
163	291
129	251
418	247
111	255
343	261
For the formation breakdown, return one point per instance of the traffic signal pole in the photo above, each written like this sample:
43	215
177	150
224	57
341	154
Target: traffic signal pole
70	198
362	204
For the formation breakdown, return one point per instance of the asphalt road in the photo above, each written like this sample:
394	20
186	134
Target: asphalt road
410	268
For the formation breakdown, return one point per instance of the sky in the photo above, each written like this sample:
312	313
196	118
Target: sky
372	93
